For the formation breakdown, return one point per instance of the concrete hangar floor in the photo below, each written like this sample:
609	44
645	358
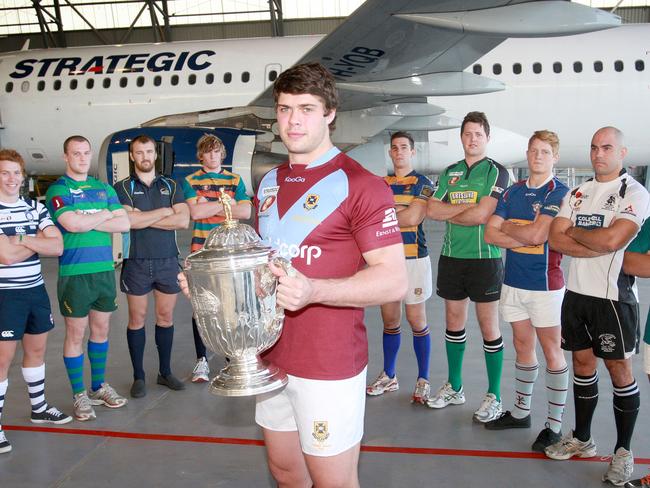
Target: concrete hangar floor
193	439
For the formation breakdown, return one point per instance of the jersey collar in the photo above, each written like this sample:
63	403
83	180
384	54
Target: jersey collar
540	186
324	158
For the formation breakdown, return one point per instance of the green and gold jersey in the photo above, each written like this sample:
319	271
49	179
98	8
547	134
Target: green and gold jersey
458	184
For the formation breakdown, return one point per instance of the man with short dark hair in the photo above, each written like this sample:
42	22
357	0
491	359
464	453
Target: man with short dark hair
156	208
469	268
86	211
337	223
600	309
202	191
411	191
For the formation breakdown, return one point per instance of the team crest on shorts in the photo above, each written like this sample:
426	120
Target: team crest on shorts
607	342
311	202
417	292
321	432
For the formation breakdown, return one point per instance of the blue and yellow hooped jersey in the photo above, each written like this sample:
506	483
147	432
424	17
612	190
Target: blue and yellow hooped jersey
405	190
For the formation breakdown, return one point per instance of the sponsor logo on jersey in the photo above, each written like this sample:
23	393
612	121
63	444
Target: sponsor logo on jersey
595	221
629	210
6	218
267	203
308	253
321	432
497	189
426	192
31	215
294	179
57	203
390	218
270	190
458	197
607	342
552	208
311	202
139	192
164	191
76	191
453	180
577	204
7	334
20	230
610	203
456	173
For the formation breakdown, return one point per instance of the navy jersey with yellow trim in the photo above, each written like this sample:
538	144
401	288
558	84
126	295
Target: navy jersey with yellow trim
405	190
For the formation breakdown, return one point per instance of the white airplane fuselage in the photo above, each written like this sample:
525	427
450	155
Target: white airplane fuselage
36	119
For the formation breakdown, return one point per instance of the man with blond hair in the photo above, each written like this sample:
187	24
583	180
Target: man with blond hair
202	193
533	286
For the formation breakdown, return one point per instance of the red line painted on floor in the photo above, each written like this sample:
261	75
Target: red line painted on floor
258	442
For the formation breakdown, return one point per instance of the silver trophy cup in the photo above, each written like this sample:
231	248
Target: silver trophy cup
233	296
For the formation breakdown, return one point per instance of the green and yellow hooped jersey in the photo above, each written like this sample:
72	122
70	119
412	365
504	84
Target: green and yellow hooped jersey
460	183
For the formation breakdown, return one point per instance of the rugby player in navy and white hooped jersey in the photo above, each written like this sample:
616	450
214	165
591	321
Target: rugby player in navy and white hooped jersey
336	222
600	309
533	286
26	230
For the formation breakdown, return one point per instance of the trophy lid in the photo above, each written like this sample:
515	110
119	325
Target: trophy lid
230	246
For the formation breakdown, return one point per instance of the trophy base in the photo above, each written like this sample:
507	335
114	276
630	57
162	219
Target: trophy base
247	377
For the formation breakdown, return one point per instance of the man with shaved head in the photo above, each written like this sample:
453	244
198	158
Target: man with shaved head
596	222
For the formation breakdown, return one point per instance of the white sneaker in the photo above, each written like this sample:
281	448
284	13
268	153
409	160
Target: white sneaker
422	392
82	408
490	409
620	468
383	384
106	395
446	395
201	371
570	446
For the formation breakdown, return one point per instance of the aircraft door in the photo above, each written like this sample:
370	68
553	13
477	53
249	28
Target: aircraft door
271	72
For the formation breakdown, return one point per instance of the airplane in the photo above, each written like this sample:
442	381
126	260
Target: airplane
416	65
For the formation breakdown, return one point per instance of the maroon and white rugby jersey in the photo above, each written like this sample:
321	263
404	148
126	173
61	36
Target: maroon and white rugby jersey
322	217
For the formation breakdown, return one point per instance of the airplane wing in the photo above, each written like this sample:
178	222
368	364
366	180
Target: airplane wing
389	56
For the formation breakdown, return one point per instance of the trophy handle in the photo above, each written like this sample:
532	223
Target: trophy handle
285	264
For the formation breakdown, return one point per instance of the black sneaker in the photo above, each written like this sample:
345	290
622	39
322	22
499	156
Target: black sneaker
50	416
546	438
138	389
4	443
507	421
171	382
645	481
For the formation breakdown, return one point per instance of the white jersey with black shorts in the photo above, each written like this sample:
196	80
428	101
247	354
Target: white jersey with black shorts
600	308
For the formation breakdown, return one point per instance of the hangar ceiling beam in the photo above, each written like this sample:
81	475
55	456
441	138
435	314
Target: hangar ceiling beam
48	39
277	25
92	27
130	29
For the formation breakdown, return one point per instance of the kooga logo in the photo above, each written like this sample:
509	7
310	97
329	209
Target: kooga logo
296	179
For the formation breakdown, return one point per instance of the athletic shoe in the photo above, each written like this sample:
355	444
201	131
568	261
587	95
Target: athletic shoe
446	395
490	409
107	396
546	438
383	384
138	389
83	409
4	443
507	421
620	467
50	416
645	481
171	382
201	371
422	391
569	446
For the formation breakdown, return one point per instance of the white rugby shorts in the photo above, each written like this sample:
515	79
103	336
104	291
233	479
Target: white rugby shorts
328	414
420	280
543	308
